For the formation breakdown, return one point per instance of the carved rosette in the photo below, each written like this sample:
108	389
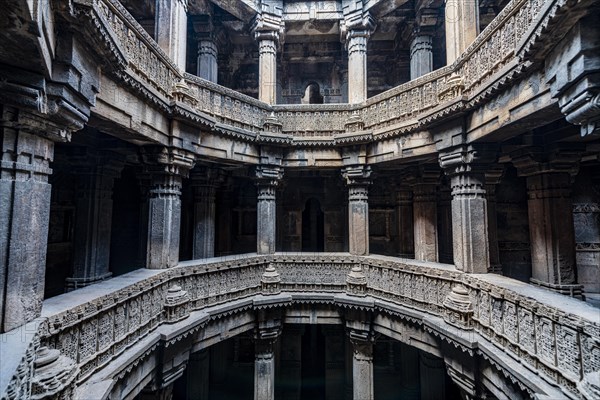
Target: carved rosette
177	304
270	281
356	282
54	375
458	308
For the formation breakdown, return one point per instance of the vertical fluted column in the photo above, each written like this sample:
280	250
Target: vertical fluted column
164	219
267	67
357	65
93	219
421	55
267	179
207	59
404	213
264	362
550	211
171	29
361	338
465	165
462	26
425	215
358	180
268	32
356	28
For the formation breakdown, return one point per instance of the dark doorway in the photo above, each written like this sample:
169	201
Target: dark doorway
313	364
312	226
312	94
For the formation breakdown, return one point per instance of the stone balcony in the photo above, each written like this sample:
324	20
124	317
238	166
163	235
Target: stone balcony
544	343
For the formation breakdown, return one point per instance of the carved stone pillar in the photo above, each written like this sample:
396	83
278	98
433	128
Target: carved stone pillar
268	178
204	182
357	65
462	26
171	29
24	217
404	213
421	55
207	60
425	215
166	168
164	218
96	174
358	180
362	364
356	30
465	167
550	211
268	32
264	363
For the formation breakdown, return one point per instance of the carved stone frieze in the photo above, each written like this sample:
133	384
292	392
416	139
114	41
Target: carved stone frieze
54	375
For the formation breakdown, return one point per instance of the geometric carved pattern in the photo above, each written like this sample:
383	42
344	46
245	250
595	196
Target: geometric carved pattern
559	347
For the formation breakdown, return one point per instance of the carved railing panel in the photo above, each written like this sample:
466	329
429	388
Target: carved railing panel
472	78
562	345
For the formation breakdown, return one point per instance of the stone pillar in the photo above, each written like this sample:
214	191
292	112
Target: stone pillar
462	26
268	177
358	180
96	174
171	29
362	366
198	375
465	167
207	60
425	216
268	32
492	179
550	211
356	42
404	213
264	363
164	218
421	55
205	183
24	217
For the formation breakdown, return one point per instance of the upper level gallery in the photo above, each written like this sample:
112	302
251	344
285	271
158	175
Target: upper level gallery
386	72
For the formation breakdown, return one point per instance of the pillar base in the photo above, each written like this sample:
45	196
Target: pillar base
76	283
568	290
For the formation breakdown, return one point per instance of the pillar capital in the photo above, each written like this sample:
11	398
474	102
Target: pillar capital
357	175
167	160
270	27
559	158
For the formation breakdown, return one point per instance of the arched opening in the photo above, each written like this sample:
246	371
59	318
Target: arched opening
312	94
312	226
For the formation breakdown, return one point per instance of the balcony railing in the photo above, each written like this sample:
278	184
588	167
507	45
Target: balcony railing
493	59
555	336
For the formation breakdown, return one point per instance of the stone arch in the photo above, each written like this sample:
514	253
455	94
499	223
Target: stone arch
312	94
